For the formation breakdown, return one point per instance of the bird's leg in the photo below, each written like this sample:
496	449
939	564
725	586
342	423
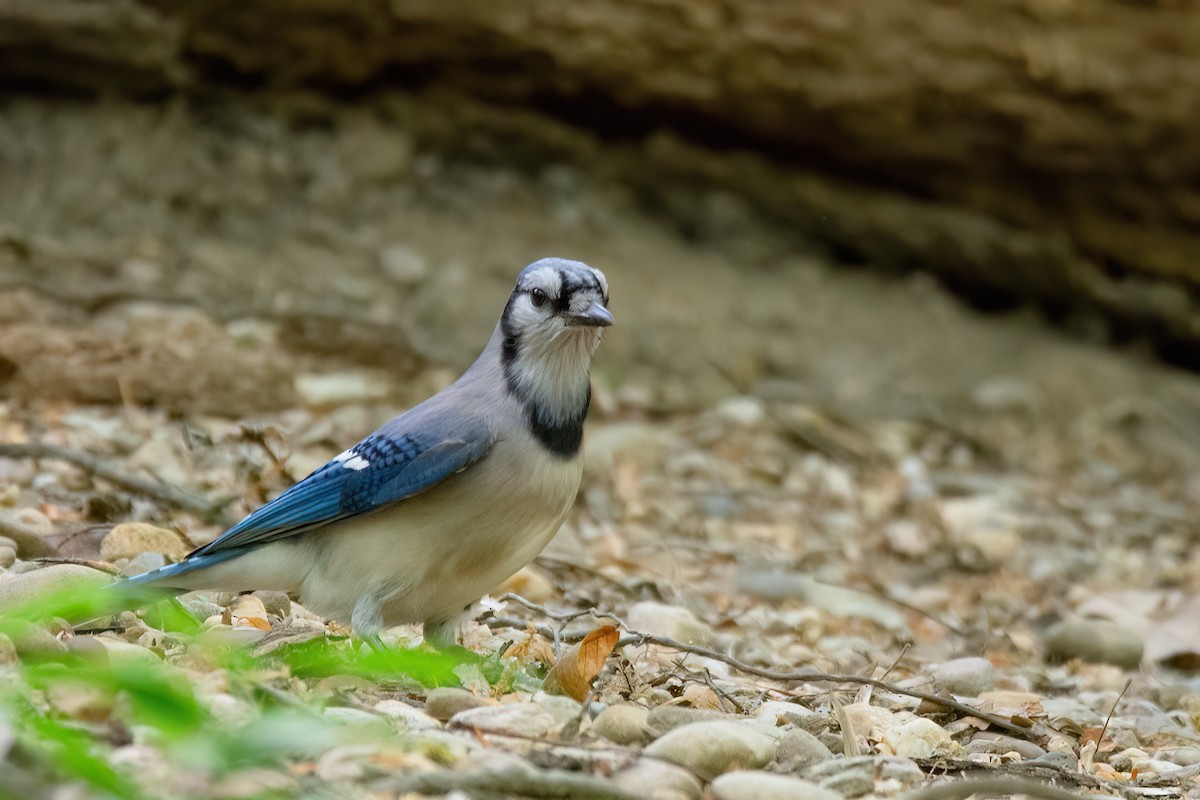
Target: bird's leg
366	621
441	634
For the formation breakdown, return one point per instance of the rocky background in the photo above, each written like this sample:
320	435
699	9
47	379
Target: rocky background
894	466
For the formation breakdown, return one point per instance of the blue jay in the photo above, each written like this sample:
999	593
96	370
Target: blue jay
421	518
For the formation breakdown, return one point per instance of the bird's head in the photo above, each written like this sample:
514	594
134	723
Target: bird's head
551	326
557	305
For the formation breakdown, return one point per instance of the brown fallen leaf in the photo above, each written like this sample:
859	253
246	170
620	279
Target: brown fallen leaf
581	663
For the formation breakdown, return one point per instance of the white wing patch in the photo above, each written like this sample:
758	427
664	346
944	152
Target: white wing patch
352	460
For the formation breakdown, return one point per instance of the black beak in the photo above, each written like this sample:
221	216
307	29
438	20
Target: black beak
597	316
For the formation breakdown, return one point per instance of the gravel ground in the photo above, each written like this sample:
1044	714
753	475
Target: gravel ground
781	597
838	536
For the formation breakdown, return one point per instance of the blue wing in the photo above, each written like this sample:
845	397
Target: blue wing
378	471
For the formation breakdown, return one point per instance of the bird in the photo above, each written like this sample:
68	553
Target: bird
443	503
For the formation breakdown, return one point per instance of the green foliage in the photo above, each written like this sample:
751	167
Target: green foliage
134	697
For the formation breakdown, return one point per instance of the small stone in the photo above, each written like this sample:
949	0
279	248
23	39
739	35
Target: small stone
28	587
277	604
970	676
410	718
8	556
798	749
709	749
672	622
657	780
7	542
849	777
793	713
341	388
131	539
623	724
665	718
982	530
253	782
1183	756
528	583
999	744
143	562
749	785
1097	641
444	703
562	709
121	652
918	738
522	719
403	264
34	520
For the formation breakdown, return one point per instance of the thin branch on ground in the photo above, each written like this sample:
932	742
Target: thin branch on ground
804	676
97	467
1112	711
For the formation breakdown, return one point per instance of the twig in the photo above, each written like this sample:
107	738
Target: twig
562	616
1112	711
99	566
809	676
95	466
990	787
543	784
896	661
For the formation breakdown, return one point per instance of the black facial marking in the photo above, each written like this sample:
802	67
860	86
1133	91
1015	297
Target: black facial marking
562	439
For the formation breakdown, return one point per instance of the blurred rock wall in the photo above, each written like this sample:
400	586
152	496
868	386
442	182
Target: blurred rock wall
1021	150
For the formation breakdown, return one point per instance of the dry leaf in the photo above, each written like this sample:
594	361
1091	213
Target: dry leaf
534	648
579	665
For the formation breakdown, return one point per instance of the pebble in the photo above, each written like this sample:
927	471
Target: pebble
522	719
798	749
849	777
1183	756
657	780
341	388
663	718
276	603
749	785
131	539
403	264
143	562
970	676
528	583
33	520
672	622
444	703
8	556
986	742
18	590
1097	641
982	530
562	709
793	713
624	724
411	718
918	738
709	749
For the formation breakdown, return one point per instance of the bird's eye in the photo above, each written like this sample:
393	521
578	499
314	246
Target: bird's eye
537	297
